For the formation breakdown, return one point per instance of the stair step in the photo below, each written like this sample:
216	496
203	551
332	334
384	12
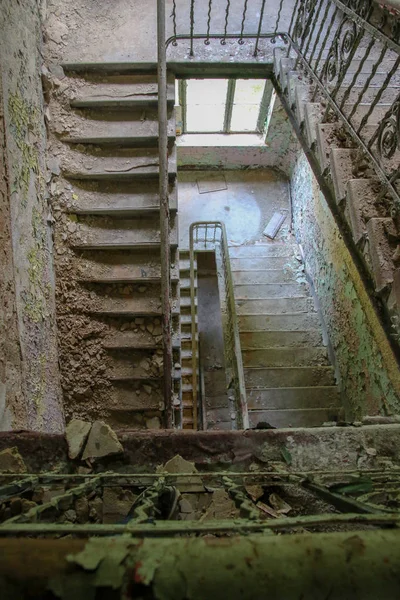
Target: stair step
273	306
125	398
313	112
270	290
381	250
129	340
129	164
276	276
269	262
283	322
285	357
107	233
293	397
121	267
275	249
312	417
341	165
137	365
361	206
119	198
137	306
271	339
125	91
134	128
276	377
111	68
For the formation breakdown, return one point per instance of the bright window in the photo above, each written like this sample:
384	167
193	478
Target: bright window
223	105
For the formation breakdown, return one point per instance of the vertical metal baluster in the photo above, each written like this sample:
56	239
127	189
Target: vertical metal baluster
277	21
259	27
321	50
241	40
207	40
173	14
321	27
205	237
306	33
357	73
334	15
342	75
379	94
228	6
291	25
191	26
312	31
367	82
165	248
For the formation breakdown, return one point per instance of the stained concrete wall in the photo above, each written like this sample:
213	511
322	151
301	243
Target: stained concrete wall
368	370
279	150
36	381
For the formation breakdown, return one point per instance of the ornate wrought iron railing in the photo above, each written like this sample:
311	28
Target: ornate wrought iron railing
211	236
350	49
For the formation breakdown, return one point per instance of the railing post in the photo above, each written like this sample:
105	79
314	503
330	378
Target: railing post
164	214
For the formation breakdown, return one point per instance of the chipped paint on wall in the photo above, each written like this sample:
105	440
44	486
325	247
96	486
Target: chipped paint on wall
369	375
30	230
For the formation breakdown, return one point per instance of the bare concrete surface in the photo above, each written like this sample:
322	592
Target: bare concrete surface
245	206
125	30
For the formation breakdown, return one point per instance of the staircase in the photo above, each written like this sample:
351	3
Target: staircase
104	147
289	379
186	338
365	207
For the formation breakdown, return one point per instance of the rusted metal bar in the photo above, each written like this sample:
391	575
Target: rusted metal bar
232	349
162	529
360	565
193	326
260	22
17	487
165	251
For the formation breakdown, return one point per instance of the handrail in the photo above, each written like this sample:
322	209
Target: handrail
165	258
211	235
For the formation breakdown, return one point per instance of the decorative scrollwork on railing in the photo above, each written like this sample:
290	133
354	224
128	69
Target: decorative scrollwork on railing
388	138
302	25
360	7
340	52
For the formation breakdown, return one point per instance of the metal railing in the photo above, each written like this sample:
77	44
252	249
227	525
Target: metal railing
165	256
350	50
211	236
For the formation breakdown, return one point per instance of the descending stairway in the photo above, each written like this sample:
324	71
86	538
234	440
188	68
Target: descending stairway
364	205
107	243
289	379
186	337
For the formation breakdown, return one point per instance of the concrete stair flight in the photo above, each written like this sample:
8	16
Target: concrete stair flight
107	239
289	379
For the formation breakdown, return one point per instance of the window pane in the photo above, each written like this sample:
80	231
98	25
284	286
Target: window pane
206	99
246	107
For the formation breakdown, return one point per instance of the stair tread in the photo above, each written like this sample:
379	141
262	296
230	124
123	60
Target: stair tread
128	163
285	357
105	232
276	377
305	417
293	397
270	290
129	306
290	321
141	339
116	126
112	267
251	340
255	306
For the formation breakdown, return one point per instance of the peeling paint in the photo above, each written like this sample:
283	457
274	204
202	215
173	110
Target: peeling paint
368	371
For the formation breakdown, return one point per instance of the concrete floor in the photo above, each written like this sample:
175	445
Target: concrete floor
125	30
245	206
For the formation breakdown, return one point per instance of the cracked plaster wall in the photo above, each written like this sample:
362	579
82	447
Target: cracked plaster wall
368	371
39	407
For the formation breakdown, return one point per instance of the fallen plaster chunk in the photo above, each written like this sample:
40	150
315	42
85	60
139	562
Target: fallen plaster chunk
11	461
102	441
180	465
76	434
